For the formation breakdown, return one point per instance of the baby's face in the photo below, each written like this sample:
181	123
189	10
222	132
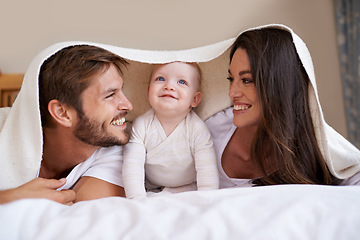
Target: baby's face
174	88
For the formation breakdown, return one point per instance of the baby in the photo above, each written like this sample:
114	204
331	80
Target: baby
170	142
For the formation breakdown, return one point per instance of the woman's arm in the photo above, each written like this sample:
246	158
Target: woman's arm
39	188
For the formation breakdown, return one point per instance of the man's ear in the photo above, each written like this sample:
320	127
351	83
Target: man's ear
196	99
62	113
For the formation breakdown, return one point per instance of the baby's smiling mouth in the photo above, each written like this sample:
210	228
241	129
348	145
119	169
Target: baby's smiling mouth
168	96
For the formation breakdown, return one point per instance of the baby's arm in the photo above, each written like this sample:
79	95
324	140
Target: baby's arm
133	166
205	160
207	173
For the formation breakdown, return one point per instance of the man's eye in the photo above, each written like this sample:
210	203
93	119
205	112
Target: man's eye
182	82
160	79
110	95
230	79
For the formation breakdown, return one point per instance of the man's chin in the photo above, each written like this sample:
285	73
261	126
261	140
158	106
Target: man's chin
114	142
94	134
105	141
111	144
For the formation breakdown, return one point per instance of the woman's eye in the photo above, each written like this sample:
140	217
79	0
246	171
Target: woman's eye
160	79
182	82
247	80
230	79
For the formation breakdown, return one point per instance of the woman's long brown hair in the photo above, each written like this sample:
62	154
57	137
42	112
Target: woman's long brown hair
285	146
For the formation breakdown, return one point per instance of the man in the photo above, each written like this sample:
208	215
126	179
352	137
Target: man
83	111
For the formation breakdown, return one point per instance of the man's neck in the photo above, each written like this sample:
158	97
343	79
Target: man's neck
61	153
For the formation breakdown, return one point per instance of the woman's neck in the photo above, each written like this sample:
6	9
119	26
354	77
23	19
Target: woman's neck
236	158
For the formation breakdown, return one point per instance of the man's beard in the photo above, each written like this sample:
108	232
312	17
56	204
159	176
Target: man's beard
93	133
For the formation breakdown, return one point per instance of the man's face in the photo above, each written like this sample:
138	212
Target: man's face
105	107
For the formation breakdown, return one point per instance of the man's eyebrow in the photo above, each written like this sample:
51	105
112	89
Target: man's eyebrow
110	90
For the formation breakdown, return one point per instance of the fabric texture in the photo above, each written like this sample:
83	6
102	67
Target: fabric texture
279	212
185	156
104	164
21	134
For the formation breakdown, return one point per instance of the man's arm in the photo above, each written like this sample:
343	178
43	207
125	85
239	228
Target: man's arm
39	188
89	188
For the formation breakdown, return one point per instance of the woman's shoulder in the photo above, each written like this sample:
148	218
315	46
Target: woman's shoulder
221	122
353	180
224	116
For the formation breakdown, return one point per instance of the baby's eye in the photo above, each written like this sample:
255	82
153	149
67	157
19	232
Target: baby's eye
182	82
160	79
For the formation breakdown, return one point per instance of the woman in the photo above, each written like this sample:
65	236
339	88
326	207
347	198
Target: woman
272	134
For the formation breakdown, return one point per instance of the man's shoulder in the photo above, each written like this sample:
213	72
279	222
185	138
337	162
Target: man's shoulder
108	151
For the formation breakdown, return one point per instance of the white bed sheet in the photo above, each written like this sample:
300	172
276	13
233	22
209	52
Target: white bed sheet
275	212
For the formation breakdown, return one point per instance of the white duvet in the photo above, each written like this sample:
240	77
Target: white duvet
278	212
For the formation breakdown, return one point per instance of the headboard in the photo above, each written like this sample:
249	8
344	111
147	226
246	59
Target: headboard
9	88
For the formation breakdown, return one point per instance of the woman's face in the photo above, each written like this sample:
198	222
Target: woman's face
242	91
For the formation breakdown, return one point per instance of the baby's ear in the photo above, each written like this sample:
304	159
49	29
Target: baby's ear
196	99
61	113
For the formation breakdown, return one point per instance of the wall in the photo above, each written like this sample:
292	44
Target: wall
27	27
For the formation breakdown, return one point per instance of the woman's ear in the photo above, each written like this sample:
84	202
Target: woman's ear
196	99
61	113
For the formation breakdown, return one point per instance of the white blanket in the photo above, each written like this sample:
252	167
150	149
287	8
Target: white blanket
277	212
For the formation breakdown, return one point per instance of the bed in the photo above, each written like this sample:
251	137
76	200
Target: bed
272	212
276	212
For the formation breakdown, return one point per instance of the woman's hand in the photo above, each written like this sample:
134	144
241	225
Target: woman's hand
40	188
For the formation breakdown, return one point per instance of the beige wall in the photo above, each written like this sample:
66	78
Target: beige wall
30	26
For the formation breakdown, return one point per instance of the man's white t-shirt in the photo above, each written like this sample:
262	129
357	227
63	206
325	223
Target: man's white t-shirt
104	164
